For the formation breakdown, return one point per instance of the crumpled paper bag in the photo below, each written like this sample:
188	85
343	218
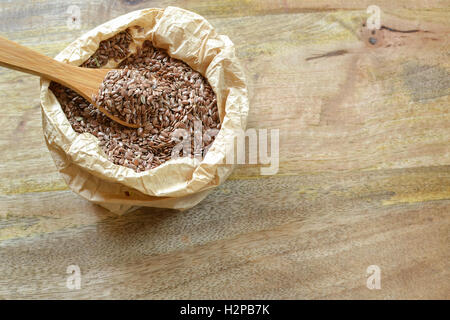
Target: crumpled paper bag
178	183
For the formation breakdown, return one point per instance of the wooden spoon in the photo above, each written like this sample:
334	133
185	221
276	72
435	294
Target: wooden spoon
85	81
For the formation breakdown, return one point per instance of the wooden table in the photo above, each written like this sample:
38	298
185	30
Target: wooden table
364	174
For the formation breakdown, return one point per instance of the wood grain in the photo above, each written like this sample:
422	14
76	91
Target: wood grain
364	174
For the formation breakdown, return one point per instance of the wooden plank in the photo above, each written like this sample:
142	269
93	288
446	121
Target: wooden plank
364	172
285	237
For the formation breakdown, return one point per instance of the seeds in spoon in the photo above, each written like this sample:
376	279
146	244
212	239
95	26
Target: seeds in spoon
124	93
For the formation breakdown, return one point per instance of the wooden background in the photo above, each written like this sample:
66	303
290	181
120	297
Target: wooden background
364	174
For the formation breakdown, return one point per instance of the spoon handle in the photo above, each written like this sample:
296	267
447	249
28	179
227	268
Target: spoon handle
84	81
15	56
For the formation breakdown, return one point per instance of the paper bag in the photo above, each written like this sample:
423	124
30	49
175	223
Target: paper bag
178	183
